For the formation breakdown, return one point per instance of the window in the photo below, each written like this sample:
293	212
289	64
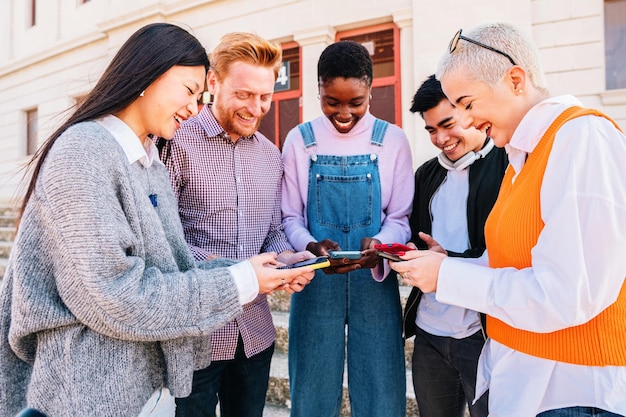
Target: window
32	131
382	42
615	43
32	17
285	113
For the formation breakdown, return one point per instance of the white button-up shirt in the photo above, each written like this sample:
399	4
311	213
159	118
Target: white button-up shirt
578	269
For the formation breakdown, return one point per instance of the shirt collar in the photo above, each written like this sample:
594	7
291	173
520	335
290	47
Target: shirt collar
533	126
213	128
146	153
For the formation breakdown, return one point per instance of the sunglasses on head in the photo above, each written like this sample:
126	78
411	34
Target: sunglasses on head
458	36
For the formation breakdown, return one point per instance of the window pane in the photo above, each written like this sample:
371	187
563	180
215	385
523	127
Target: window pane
380	45
615	43
33	13
383	103
32	128
267	126
291	57
289	117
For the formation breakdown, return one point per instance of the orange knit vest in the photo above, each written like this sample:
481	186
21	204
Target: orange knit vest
511	231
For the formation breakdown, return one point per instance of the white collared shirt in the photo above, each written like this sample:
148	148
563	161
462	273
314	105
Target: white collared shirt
145	152
448	209
583	206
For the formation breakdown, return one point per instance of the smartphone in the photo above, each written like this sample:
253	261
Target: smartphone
389	256
391	251
315	263
350	254
393	248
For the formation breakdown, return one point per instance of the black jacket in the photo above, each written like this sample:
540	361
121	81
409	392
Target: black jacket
485	176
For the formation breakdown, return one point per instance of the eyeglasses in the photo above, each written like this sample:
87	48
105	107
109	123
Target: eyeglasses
457	36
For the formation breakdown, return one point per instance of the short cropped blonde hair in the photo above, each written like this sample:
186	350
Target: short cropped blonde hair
246	47
490	67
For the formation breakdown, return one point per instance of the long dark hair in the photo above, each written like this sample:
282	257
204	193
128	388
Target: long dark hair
144	57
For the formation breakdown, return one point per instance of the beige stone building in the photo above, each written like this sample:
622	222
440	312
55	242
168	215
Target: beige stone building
52	52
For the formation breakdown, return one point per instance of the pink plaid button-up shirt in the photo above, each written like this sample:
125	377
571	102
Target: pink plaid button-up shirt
229	204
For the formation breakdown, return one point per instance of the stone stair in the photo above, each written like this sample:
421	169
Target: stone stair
278	391
8	217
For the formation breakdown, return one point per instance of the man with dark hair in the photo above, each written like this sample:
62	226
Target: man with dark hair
454	193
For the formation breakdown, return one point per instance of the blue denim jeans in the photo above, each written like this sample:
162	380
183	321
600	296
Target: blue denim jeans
240	384
444	375
578	412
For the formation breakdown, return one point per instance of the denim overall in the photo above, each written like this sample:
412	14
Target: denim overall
344	205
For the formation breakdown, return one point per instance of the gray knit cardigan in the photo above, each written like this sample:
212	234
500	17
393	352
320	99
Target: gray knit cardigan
102	301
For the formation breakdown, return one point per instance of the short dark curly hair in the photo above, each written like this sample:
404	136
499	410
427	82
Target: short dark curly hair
428	96
346	59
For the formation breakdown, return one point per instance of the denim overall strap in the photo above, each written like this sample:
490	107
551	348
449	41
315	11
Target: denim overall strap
378	133
306	129
344	205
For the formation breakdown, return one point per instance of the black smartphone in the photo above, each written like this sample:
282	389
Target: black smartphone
389	256
350	254
315	263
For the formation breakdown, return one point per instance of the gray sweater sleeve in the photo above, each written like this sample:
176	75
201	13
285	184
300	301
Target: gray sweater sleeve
121	266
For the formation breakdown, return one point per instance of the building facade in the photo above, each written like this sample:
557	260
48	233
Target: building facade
53	51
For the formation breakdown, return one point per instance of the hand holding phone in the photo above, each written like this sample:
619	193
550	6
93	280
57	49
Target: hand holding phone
315	263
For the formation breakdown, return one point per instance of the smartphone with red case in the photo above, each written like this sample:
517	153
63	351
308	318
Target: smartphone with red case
391	251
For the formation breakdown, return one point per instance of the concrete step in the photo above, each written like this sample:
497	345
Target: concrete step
272	410
7	221
5	249
7	234
278	391
9	211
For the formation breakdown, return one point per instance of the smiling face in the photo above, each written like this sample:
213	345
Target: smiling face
242	97
447	134
169	100
494	110
344	101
